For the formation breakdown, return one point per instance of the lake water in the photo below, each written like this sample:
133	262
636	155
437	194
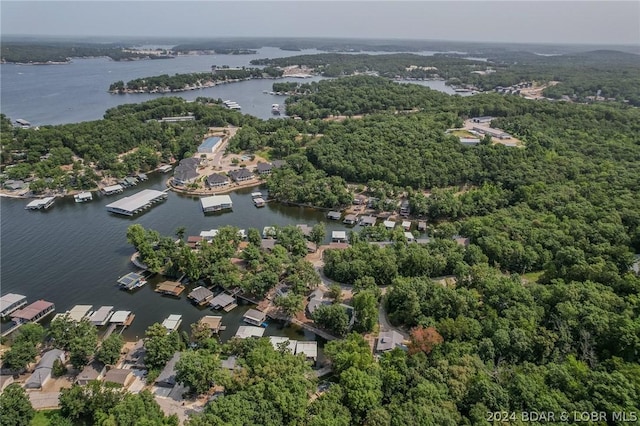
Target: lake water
74	253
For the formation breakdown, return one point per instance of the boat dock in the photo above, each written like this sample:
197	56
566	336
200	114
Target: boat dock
136	203
83	197
172	322
165	169
213	323
101	316
216	203
200	295
34	312
42	203
223	301
131	281
113	189
259	202
170	288
11	302
123	318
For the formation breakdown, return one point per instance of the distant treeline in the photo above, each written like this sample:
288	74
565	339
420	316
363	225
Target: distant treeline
179	82
403	65
62	52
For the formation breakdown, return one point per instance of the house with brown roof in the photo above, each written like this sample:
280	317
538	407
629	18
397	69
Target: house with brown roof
120	376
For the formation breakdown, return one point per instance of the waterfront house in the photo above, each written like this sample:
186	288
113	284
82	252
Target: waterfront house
367	221
11	302
388	340
333	215
264	169
305	229
269	232
483	119
183	175
170	288
350	219
216	203
246	331
14	185
339	236
33	312
241	175
194	241
212	322
268	244
167	377
254	317
406	225
217	180
200	295
135	357
43	370
119	376
278	163
91	372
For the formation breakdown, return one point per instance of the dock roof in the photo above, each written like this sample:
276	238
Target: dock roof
389	224
368	220
171	287
245	331
120	316
129	205
200	294
10	299
309	349
215	201
101	315
223	299
113	188
78	312
211	321
130	280
172	322
276	341
30	312
338	235
255	315
334	215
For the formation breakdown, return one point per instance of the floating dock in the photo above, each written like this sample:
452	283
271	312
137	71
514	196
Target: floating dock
259	202
170	288
124	318
223	301
245	331
216	203
165	169
83	197
136	203
113	189
11	302
213	323
200	295
43	203
33	313
131	281
101	316
255	317
172	322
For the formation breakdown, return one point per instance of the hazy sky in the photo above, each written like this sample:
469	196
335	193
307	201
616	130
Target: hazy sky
596	22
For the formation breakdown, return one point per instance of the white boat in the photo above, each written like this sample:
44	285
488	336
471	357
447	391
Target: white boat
275	109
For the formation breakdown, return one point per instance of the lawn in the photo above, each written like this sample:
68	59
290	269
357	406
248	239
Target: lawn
533	277
43	418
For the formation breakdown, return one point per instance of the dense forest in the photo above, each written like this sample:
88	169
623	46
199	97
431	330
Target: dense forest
539	312
180	82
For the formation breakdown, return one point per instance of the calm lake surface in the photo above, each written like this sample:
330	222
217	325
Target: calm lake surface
74	253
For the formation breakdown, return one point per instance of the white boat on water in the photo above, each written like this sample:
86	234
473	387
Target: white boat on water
275	109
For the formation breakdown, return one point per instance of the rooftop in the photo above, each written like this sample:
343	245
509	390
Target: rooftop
32	311
133	203
309	349
215	201
245	331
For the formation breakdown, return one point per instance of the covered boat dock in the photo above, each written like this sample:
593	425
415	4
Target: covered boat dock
136	203
170	288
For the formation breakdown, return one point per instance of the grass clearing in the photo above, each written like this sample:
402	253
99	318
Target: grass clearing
532	277
43	417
